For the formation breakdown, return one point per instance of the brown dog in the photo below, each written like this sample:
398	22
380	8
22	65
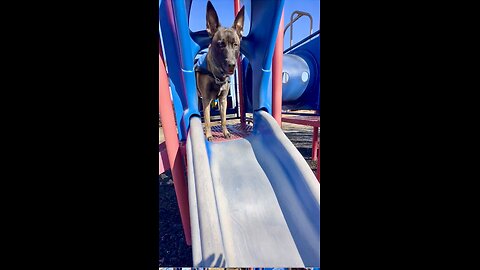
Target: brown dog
213	81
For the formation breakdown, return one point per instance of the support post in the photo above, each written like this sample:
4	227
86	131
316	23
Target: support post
236	7
318	164
315	142
277	75
173	151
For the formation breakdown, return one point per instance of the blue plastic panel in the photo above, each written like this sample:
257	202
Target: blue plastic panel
295	76
310	98
258	48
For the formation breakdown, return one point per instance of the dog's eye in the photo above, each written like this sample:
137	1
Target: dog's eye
235	44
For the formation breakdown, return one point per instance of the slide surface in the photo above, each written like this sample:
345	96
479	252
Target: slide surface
253	201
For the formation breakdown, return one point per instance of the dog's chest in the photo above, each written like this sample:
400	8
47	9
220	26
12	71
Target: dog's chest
216	88
207	87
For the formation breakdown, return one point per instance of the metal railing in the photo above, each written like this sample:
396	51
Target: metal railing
292	20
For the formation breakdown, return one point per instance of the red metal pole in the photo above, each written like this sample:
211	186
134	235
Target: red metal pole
318	163
174	156
236	7
277	75
315	142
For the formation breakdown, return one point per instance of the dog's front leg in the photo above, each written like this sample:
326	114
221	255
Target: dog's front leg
206	115
223	115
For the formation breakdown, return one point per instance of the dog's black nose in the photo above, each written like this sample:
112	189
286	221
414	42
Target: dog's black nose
231	65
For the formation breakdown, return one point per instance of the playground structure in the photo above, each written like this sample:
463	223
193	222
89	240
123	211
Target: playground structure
299	88
251	200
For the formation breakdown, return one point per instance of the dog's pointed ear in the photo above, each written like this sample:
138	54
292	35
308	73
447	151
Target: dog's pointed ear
238	23
212	20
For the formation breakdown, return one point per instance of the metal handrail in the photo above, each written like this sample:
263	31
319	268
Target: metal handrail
292	20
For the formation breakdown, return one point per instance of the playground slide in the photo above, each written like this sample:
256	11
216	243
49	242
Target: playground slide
253	201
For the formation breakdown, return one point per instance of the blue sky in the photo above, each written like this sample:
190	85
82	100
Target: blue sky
225	13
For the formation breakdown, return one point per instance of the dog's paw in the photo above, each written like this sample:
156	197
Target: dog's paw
227	134
210	138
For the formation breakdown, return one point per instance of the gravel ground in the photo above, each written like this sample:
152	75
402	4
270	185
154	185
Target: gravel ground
173	250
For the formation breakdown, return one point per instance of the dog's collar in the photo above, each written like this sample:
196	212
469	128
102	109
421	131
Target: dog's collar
217	80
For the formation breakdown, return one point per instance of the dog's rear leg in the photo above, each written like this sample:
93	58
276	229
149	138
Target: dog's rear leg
206	115
223	115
